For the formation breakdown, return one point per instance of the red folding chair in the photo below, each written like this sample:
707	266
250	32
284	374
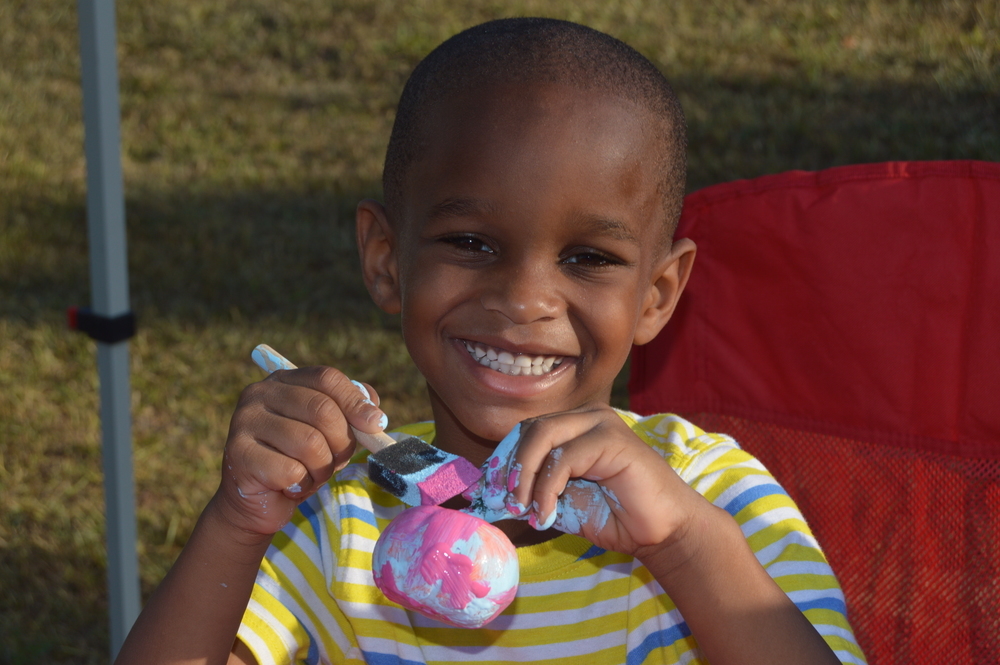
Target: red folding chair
844	327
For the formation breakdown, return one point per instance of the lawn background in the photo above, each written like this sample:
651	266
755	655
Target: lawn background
251	129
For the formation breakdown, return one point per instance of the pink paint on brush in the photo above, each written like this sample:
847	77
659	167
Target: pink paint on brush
448	481
447	565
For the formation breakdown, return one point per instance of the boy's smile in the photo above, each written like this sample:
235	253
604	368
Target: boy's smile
527	248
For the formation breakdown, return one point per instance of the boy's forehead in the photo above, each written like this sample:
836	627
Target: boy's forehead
511	105
536	127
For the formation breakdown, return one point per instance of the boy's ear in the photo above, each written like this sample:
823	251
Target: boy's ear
669	279
377	249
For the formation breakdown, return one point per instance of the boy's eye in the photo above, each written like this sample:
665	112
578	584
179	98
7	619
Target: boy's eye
470	244
591	259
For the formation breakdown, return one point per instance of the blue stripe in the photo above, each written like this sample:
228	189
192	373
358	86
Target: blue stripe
657	640
592	552
835	604
312	658
748	496
313	518
387	659
348	510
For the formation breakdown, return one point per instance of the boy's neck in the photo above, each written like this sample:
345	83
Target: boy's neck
452	436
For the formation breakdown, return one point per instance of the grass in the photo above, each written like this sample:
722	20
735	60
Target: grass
250	130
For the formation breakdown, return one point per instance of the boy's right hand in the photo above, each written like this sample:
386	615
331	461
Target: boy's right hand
288	436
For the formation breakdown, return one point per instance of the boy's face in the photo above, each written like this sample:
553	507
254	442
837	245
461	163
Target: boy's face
530	230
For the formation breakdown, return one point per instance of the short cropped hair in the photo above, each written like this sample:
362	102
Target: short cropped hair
538	50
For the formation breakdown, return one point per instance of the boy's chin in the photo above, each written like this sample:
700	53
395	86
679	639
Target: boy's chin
485	426
490	430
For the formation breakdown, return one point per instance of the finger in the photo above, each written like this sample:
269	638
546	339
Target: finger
572	464
357	405
299	422
541	473
268	403
319	451
368	391
491	492
582	508
258	469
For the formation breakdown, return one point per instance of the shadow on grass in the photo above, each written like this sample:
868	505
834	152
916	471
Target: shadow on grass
65	591
194	257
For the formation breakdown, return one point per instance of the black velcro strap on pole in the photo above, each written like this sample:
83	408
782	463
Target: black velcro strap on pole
109	330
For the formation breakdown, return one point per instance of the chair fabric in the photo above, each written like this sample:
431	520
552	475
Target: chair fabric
844	327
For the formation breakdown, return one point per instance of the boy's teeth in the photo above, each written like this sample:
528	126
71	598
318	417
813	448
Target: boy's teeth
507	363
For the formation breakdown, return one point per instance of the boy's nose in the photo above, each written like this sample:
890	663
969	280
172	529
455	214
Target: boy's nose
522	294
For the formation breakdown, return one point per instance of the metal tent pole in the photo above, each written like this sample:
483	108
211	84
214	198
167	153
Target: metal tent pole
109	286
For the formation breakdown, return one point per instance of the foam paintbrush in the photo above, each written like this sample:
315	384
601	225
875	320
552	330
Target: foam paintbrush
411	469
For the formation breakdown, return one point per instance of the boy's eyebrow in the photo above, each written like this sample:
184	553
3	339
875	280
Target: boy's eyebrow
613	228
460	207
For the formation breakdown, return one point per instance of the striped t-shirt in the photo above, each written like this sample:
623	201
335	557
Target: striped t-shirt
315	600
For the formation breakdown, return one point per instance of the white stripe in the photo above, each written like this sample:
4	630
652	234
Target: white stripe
526	654
647	591
742	485
848	657
386	613
256	644
706	483
302	540
789	568
310	597
653	624
689	655
349	498
769	553
551	619
836	631
399	648
702	461
352	541
770	518
325	500
350	575
806	595
676	430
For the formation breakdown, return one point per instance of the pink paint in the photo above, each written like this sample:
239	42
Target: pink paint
451	479
514	477
448	565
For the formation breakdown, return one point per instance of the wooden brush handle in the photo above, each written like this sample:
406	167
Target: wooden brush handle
373	442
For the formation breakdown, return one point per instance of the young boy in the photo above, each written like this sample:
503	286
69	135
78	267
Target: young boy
532	185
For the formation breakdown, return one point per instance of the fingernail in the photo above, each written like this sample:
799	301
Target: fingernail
377	416
534	517
513	477
513	506
364	391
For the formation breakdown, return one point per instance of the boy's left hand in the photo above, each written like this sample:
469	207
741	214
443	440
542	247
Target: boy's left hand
586	472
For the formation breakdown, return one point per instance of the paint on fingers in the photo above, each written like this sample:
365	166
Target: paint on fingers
582	505
383	420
